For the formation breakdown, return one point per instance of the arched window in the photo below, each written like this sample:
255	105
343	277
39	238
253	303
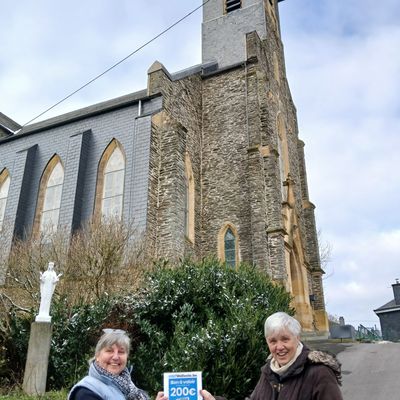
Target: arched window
110	183
189	200
49	200
228	245
4	188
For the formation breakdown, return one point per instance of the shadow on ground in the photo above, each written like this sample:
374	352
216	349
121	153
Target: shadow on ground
330	346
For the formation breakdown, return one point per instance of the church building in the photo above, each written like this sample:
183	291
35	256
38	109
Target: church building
205	161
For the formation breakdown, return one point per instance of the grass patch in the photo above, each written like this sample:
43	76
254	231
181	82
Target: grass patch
19	395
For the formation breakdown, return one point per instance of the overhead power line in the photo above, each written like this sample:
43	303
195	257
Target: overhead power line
117	63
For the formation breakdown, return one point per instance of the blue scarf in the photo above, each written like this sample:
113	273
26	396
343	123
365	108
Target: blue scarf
124	383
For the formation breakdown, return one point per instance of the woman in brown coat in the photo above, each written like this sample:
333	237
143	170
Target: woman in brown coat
292	371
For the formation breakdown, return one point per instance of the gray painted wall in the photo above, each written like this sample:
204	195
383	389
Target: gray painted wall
223	35
390	325
80	145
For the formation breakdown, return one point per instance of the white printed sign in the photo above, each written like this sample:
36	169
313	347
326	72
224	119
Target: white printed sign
183	385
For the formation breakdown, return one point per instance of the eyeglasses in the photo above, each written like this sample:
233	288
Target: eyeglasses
110	330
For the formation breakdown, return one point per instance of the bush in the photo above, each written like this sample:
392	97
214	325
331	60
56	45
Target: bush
194	317
100	258
206	317
76	330
14	347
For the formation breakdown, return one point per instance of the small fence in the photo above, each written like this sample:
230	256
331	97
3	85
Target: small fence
364	333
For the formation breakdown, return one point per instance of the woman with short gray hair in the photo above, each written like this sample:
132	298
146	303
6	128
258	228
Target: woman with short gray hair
280	320
108	377
293	371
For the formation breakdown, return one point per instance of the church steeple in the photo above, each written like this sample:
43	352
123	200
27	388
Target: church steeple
225	24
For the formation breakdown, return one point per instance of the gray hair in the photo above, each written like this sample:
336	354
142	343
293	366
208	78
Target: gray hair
281	321
111	337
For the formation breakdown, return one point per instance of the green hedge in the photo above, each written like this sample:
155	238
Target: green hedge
204	317
194	316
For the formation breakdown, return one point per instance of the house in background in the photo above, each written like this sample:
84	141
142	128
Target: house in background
389	316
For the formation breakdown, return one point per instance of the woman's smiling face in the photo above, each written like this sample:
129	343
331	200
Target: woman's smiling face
112	358
283	346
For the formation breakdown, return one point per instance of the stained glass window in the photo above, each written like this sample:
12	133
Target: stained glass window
230	247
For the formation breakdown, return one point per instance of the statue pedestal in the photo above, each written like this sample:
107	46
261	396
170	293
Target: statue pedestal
37	361
42	318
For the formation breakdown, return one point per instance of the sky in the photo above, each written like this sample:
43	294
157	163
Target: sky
343	66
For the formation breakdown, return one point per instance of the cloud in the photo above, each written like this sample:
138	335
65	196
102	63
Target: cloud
344	71
346	77
362	269
63	46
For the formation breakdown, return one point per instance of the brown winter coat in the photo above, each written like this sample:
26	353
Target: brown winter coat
315	375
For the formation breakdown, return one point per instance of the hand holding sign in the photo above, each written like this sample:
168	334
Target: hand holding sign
183	385
161	396
206	395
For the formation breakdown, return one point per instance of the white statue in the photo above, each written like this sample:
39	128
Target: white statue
48	280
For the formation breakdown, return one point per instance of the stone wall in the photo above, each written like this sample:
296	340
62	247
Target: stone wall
390	325
176	133
227	121
291	224
225	160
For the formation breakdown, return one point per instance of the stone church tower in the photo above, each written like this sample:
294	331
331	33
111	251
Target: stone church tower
208	160
236	139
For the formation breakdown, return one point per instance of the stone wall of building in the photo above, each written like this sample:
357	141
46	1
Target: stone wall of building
291	222
225	160
177	134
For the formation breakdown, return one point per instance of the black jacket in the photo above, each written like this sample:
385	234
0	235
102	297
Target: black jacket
315	375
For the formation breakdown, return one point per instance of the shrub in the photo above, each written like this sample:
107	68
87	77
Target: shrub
98	259
14	347
206	317
76	330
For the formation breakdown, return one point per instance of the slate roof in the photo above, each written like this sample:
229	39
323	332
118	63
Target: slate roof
94	109
7	125
388	307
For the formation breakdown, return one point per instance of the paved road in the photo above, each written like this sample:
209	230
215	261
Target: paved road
371	371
